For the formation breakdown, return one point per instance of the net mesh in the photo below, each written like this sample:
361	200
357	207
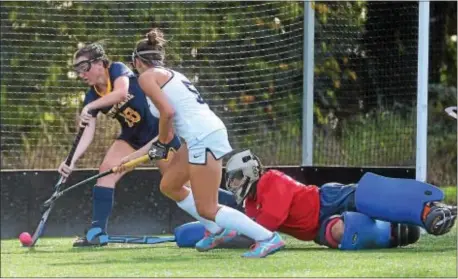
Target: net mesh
365	83
245	58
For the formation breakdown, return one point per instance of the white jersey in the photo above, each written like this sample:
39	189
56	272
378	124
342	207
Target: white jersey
193	118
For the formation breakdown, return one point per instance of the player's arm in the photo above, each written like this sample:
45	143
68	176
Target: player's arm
150	86
119	94
86	139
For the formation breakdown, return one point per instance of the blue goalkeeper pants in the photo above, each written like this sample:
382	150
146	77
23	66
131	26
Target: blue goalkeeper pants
335	198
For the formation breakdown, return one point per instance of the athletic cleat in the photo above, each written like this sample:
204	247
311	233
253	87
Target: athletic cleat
267	247
210	240
83	242
94	237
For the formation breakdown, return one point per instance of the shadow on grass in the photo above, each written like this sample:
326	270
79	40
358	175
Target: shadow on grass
80	250
419	250
424	248
154	258
403	250
180	258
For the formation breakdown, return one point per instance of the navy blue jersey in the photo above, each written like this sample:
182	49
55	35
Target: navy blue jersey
139	126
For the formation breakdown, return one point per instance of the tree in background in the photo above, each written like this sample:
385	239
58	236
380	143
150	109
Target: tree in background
246	59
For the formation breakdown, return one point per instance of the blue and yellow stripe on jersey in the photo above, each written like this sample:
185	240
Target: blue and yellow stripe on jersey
138	125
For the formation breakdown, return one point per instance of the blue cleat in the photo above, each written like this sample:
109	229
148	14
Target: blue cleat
94	237
266	247
210	240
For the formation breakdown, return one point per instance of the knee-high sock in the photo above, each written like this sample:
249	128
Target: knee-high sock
189	206
230	218
102	204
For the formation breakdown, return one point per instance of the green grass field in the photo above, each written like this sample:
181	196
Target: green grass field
54	257
450	194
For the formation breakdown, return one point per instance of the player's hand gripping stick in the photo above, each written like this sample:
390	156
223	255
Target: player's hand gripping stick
129	165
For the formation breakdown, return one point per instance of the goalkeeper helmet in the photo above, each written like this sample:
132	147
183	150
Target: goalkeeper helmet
242	171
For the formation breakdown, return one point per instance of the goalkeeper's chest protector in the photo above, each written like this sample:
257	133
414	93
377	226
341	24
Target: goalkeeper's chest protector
286	205
193	119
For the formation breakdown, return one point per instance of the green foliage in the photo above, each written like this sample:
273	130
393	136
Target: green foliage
442	135
448	69
333	69
246	59
450	194
230	57
355	146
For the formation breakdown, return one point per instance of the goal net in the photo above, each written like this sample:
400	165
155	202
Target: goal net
365	83
246	59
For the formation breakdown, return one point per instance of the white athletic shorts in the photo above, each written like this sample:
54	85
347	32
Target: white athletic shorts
217	143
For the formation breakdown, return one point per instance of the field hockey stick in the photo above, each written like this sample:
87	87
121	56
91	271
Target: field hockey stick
68	161
144	239
130	164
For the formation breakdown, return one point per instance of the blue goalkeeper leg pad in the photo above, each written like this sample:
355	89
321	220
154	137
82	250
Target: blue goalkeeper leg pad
187	235
363	232
394	199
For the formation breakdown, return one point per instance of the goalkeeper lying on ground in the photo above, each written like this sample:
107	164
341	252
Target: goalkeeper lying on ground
377	212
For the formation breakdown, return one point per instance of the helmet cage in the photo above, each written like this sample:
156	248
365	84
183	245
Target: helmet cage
242	171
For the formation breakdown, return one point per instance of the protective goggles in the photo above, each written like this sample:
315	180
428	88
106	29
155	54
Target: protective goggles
84	66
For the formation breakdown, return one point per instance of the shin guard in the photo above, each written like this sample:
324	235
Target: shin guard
396	200
363	232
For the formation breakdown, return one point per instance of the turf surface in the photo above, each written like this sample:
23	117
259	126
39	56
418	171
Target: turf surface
54	257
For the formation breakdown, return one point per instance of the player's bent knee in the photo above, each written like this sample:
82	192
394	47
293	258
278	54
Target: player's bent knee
227	198
207	212
337	230
329	234
164	189
167	191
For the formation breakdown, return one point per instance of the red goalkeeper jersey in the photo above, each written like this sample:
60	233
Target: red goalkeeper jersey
285	205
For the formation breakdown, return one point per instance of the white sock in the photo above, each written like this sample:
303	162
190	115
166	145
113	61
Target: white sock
189	206
235	220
